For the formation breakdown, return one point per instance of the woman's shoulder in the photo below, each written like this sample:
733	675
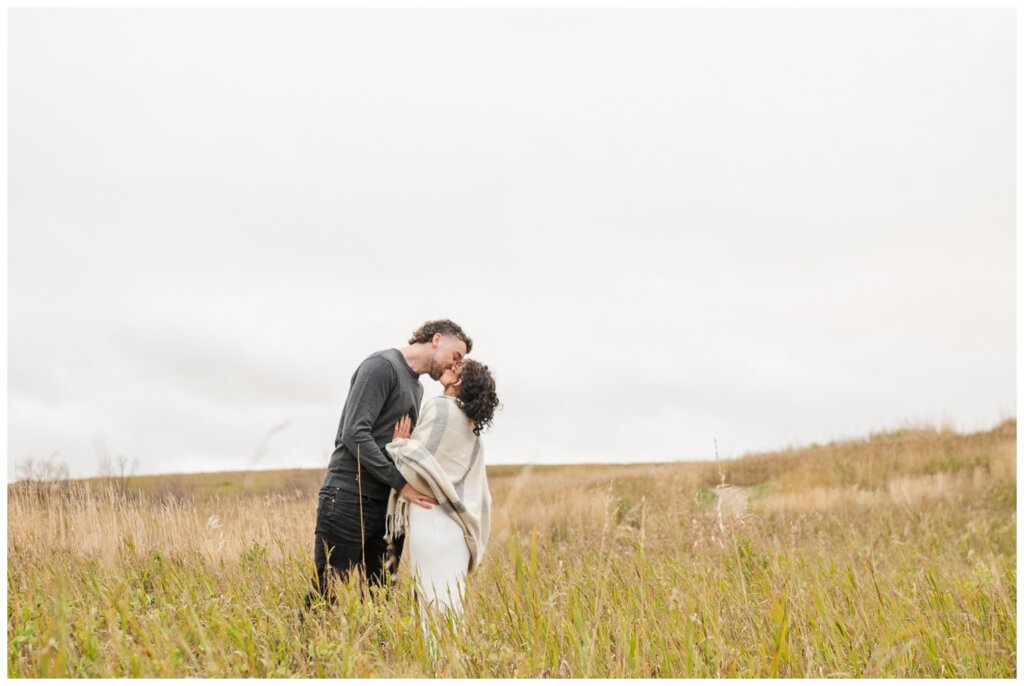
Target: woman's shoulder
450	407
440	405
434	402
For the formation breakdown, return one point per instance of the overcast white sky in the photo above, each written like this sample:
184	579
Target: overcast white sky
660	227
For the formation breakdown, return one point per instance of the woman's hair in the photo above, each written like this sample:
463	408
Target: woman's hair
477	396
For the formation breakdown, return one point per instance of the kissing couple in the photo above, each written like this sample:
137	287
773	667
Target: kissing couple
400	472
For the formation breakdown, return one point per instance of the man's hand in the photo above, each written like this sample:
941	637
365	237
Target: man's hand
414	496
403	428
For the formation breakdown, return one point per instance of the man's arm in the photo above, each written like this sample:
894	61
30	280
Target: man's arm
373	381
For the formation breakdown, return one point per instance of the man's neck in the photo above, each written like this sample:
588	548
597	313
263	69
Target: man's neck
417	355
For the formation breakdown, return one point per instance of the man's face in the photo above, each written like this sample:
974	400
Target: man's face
448	352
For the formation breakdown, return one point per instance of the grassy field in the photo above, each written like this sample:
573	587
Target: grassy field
889	556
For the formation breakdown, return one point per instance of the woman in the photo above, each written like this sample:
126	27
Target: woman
444	457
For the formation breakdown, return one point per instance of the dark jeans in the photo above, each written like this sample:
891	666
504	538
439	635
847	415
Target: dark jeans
341	545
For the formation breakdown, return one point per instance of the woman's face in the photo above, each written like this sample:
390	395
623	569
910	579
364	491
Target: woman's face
452	376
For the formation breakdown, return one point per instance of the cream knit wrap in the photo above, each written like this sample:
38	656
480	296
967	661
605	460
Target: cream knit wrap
445	459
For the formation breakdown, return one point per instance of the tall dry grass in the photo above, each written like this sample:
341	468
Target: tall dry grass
890	556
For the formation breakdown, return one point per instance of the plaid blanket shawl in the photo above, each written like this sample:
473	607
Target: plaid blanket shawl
443	458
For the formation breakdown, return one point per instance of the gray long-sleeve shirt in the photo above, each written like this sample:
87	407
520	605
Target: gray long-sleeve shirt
384	388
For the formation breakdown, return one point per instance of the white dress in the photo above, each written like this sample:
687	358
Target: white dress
439	558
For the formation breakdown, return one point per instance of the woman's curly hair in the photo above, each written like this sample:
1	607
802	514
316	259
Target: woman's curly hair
477	396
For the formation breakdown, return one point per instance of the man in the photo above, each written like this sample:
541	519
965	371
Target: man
350	516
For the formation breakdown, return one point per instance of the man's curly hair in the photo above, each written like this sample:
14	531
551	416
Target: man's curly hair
445	327
477	396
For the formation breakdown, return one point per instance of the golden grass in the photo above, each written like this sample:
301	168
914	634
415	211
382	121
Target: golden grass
890	556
